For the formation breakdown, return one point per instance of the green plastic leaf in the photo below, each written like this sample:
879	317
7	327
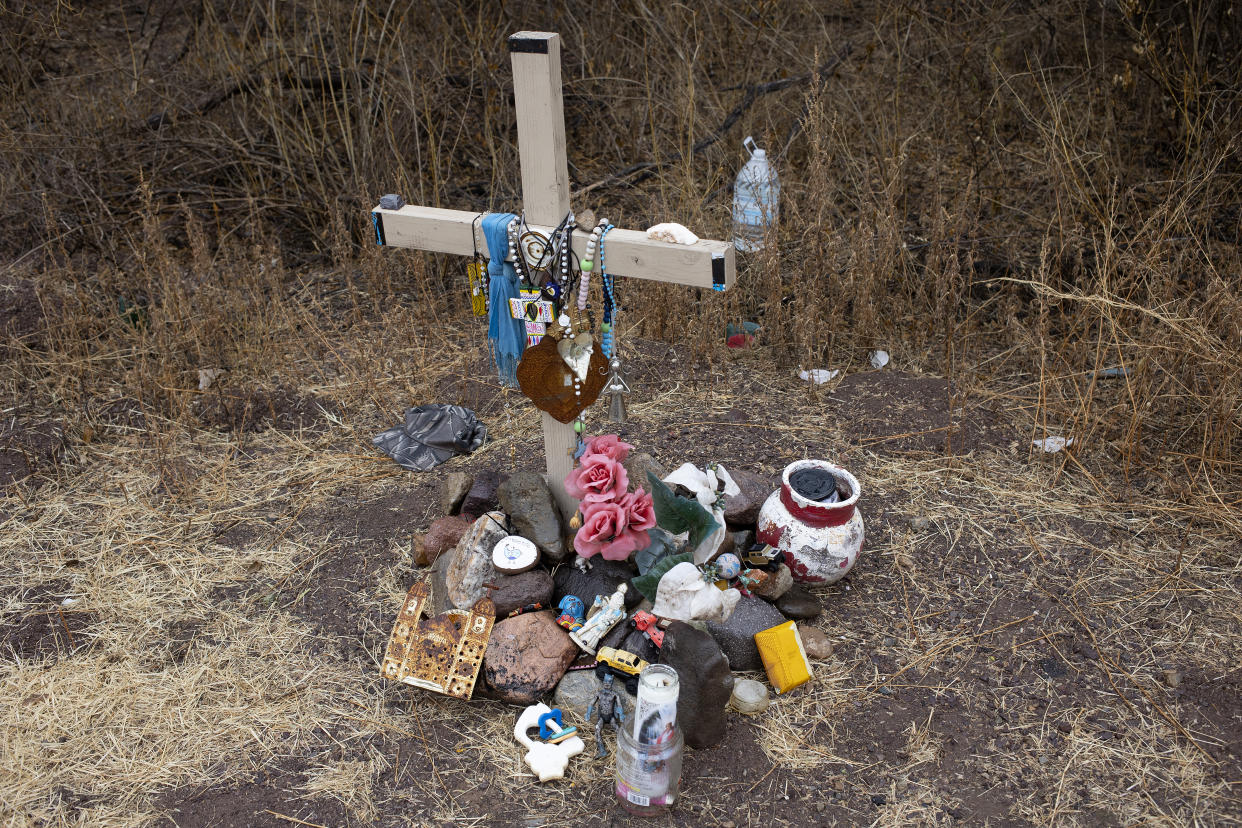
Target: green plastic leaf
676	514
649	583
662	545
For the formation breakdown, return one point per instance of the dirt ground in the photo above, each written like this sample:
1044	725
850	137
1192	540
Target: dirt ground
193	615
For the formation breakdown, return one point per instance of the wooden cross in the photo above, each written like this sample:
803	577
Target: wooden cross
545	201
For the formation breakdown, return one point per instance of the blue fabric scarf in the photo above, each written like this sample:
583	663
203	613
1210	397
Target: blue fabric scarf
506	336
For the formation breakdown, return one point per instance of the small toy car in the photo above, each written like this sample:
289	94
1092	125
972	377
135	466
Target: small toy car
621	663
646	623
622	660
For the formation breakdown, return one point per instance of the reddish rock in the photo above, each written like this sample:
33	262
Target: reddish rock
742	510
526	657
441	536
516	591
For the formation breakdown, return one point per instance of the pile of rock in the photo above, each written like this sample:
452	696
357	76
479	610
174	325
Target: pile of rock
529	655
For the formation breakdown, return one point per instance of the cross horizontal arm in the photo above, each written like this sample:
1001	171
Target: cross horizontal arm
707	264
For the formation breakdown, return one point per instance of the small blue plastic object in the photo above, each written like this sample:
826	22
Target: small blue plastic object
552	727
572	605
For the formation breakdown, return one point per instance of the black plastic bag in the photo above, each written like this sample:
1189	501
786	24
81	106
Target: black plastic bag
430	435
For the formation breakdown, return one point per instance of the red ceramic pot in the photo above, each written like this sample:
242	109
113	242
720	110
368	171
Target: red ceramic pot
821	541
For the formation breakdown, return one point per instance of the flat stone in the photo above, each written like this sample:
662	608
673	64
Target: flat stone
602	579
526	657
482	495
516	591
578	688
441	537
736	636
638	464
742	510
528	502
705	683
470	562
799	603
453	491
816	642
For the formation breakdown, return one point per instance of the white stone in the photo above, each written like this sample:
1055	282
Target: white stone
673	233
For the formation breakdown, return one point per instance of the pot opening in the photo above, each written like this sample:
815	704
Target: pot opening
820	485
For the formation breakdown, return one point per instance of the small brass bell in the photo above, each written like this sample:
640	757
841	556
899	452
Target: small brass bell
616	389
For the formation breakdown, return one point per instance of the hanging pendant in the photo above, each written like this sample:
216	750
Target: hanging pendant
577	352
478	292
616	389
544	377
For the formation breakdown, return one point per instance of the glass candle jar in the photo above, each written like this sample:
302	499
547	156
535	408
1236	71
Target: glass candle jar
648	776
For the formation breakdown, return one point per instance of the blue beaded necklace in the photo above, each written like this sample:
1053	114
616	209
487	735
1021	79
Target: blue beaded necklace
610	302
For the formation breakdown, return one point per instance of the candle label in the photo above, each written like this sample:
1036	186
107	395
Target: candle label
655	712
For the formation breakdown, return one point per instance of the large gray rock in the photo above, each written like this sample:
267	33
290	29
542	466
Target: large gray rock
742	510
470	562
736	636
528	502
526	657
602	579
516	591
705	683
577	690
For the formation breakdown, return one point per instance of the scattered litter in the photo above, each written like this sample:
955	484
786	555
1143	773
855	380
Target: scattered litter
1051	445
206	376
69	602
1113	373
430	435
818	375
879	359
673	233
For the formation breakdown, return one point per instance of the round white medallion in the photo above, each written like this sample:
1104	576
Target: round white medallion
514	554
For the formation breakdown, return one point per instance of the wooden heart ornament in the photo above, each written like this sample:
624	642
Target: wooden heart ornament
549	383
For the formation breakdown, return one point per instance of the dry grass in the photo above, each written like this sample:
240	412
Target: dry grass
1016	199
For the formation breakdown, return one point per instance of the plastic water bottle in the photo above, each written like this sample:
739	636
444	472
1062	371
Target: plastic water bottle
756	200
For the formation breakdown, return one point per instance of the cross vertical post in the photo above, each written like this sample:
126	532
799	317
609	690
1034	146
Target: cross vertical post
540	109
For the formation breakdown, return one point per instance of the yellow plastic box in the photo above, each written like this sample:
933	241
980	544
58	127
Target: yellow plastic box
783	656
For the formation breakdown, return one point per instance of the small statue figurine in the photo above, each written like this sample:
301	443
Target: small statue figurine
616	388
605	614
608	705
572	613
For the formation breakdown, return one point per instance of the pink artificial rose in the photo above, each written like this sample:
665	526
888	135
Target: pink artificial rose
610	446
598	479
639	510
603	532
